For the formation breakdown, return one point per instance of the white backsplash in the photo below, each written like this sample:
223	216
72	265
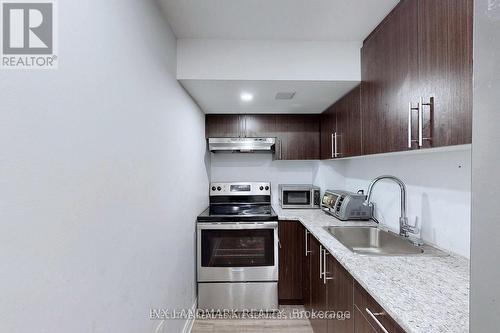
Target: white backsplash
261	167
438	191
438	186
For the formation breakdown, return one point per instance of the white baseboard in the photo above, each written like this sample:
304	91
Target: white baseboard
188	326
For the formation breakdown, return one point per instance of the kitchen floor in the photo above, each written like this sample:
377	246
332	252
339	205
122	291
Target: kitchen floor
255	325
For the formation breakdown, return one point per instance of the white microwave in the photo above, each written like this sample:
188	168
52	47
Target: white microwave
299	196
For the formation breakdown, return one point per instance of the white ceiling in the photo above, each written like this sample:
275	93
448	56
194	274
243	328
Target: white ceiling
223	96
318	20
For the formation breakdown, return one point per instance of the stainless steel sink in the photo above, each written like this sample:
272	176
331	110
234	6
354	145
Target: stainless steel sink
373	241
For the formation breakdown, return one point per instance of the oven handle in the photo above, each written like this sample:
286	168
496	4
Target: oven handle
237	225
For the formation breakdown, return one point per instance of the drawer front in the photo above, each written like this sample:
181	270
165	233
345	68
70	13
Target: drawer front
373	312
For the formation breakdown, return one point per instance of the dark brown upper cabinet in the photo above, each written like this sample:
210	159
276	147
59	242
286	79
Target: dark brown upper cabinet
348	121
328	128
418	61
297	135
223	126
389	72
341	127
445	70
260	125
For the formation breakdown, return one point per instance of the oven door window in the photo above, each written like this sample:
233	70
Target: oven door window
297	198
237	248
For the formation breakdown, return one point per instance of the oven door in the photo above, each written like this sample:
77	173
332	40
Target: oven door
237	251
296	198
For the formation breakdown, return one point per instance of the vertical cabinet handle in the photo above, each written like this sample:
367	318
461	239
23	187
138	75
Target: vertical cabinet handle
336	148
420	121
421	105
333	147
410	136
325	278
320	262
281	149
420	111
409	124
374	317
307	246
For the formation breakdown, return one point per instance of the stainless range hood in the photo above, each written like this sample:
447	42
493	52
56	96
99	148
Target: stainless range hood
241	145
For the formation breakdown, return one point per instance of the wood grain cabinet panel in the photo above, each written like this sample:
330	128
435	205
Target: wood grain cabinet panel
348	124
318	288
290	285
365	304
299	137
389	72
223	126
445	70
260	125
340	297
328	127
422	49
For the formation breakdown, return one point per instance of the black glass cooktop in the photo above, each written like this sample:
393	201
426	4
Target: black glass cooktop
238	212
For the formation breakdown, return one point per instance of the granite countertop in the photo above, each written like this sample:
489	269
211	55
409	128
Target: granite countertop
423	294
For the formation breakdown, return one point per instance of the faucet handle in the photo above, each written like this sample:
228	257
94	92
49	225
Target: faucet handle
413	229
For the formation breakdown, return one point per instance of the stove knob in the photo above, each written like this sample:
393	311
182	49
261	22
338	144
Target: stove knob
261	188
219	188
213	188
267	188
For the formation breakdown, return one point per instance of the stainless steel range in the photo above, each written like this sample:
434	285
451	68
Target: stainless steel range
237	248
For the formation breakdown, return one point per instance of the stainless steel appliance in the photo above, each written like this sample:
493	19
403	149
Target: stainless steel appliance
242	145
237	248
299	196
346	205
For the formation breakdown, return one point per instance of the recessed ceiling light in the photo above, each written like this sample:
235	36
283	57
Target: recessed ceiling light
246	97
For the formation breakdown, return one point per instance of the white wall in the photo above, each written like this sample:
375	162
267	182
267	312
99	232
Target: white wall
438	189
98	192
485	244
207	59
261	167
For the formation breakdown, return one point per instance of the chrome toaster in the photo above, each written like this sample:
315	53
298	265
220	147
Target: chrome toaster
346	205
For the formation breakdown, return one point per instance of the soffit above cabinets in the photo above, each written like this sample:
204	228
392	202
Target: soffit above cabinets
235	56
224	96
313	20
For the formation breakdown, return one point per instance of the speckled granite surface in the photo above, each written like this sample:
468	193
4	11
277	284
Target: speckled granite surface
424	294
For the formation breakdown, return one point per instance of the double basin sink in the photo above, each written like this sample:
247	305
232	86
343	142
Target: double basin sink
374	241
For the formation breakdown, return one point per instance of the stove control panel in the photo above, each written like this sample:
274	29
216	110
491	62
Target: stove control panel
240	188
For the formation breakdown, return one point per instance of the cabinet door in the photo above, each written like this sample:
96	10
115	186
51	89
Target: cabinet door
361	325
367	307
223	125
340	297
259	125
306	269
445	70
318	288
389	72
348	116
328	126
290	262
299	137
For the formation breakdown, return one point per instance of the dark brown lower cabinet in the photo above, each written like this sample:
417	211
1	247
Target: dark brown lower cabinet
306	269
310	275
318	301
370	316
340	297
290	286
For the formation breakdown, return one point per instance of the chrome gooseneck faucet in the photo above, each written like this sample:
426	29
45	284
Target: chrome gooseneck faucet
405	229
